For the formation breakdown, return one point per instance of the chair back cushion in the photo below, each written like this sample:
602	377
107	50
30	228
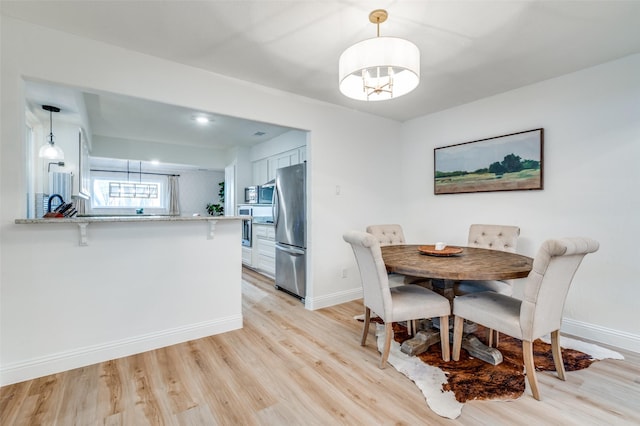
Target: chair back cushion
548	283
387	235
375	283
495	237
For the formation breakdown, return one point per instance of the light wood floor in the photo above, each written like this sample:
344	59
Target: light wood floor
290	366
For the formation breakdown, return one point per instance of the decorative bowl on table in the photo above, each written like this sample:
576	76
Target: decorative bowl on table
430	250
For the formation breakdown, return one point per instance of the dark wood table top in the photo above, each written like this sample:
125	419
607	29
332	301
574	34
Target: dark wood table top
471	264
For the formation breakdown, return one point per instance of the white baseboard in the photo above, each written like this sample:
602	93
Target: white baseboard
333	299
608	336
63	361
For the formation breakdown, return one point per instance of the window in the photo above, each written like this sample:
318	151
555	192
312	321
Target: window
133	190
112	193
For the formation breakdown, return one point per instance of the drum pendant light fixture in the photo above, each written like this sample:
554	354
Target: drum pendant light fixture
50	150
379	68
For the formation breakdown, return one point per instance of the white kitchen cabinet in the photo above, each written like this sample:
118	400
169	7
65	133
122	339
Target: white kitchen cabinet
260	172
284	159
264	170
247	256
265	249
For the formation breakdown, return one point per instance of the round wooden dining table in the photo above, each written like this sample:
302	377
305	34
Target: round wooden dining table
471	264
463	263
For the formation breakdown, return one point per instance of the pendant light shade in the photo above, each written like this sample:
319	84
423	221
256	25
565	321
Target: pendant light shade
50	150
379	68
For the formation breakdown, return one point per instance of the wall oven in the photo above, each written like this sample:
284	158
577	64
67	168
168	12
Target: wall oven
246	225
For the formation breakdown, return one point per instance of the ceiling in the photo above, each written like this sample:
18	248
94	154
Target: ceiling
133	119
469	49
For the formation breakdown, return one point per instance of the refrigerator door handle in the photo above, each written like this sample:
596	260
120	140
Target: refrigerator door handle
275	207
290	250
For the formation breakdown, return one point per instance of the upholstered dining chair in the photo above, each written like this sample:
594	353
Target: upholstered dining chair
387	235
539	313
403	303
493	237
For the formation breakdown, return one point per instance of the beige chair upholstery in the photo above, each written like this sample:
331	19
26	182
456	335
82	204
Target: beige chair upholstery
404	303
387	235
539	313
494	237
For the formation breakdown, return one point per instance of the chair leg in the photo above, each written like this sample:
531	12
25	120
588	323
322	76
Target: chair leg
527	354
411	325
388	332
444	339
493	338
458	325
365	330
557	354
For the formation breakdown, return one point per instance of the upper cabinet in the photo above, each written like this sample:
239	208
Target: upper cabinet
285	159
260	172
264	169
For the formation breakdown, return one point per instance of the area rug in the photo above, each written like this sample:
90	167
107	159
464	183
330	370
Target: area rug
446	386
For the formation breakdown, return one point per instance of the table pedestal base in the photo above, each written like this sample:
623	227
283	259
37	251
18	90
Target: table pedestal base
428	336
479	350
420	342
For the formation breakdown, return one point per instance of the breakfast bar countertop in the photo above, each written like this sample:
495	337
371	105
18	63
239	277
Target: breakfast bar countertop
84	221
127	218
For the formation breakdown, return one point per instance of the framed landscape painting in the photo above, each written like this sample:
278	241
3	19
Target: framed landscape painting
503	163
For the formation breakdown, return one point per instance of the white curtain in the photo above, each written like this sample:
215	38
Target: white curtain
60	183
81	205
174	199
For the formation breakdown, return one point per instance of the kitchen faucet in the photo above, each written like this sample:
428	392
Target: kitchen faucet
58	196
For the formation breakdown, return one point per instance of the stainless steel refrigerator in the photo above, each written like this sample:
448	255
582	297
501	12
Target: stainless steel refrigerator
290	218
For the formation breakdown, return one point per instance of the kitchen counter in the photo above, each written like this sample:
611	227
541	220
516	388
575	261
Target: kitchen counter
260	221
84	221
141	283
126	218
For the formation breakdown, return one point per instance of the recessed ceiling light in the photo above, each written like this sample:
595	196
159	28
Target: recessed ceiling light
202	120
155	162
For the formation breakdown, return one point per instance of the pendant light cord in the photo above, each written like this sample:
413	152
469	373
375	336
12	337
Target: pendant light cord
50	127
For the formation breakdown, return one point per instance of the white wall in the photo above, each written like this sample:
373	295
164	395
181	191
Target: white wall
347	149
591	122
197	189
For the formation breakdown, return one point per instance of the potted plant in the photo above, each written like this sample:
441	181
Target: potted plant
217	209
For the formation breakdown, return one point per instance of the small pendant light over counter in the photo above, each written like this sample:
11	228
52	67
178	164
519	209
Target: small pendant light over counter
379	68
50	150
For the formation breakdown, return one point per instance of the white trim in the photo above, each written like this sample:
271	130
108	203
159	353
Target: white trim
62	361
607	336
333	299
592	332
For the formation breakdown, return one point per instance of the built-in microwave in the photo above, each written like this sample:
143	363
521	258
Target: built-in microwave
259	194
265	192
251	194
